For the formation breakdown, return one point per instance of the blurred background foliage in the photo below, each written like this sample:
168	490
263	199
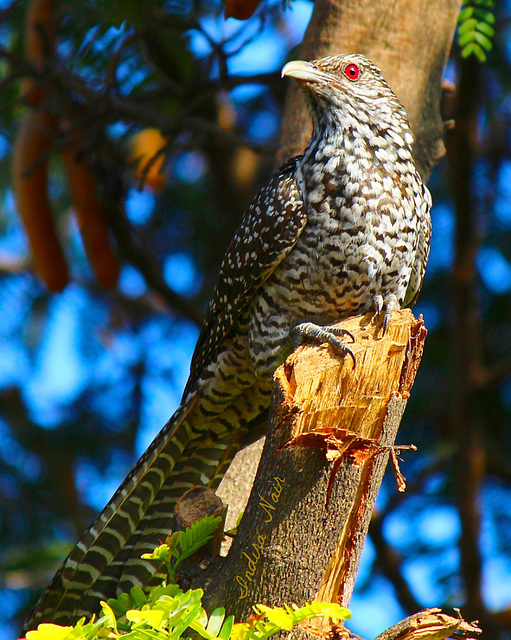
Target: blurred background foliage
89	375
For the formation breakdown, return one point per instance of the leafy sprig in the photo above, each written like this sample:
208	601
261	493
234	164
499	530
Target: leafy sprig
475	28
166	612
183	544
271	620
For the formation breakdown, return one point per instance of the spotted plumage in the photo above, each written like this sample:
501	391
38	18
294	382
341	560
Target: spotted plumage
338	230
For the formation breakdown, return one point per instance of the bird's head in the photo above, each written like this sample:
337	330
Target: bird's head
346	90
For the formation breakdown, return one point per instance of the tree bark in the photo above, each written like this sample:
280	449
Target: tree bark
331	430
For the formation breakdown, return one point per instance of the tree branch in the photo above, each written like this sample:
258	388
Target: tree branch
464	418
431	624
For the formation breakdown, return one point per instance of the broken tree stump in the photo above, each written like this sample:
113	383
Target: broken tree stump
332	428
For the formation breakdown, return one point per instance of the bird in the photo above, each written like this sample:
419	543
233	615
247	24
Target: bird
343	228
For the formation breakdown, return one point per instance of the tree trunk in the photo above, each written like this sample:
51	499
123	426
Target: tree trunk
331	430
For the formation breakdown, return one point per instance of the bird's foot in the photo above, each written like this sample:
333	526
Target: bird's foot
330	335
386	305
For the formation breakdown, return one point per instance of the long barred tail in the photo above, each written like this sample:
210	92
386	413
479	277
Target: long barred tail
89	572
108	556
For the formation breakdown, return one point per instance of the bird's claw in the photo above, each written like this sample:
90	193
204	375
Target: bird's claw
378	304
330	335
387	305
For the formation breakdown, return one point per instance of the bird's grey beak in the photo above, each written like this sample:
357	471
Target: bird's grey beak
304	71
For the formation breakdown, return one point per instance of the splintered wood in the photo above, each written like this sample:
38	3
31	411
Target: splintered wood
329	391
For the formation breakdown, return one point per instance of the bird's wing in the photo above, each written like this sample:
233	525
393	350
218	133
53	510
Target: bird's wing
267	233
422	252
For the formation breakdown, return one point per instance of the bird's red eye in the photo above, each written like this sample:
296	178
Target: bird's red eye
352	72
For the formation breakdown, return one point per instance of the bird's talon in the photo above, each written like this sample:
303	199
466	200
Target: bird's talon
350	353
378	304
386	319
324	334
387	305
339	331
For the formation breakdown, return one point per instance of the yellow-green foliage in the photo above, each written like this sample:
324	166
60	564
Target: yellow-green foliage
166	612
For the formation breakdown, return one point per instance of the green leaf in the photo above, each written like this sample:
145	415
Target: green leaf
240	631
196	536
277	616
466	13
49	631
158	593
139	597
215	621
483	27
468	25
226	629
192	539
475	49
109	616
181	603
121	604
484	15
475	32
467	38
199	628
153	617
184	622
480	54
160	553
483	40
468	50
330	610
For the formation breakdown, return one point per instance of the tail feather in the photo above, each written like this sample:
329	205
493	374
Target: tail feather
101	547
190	450
204	462
159	520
